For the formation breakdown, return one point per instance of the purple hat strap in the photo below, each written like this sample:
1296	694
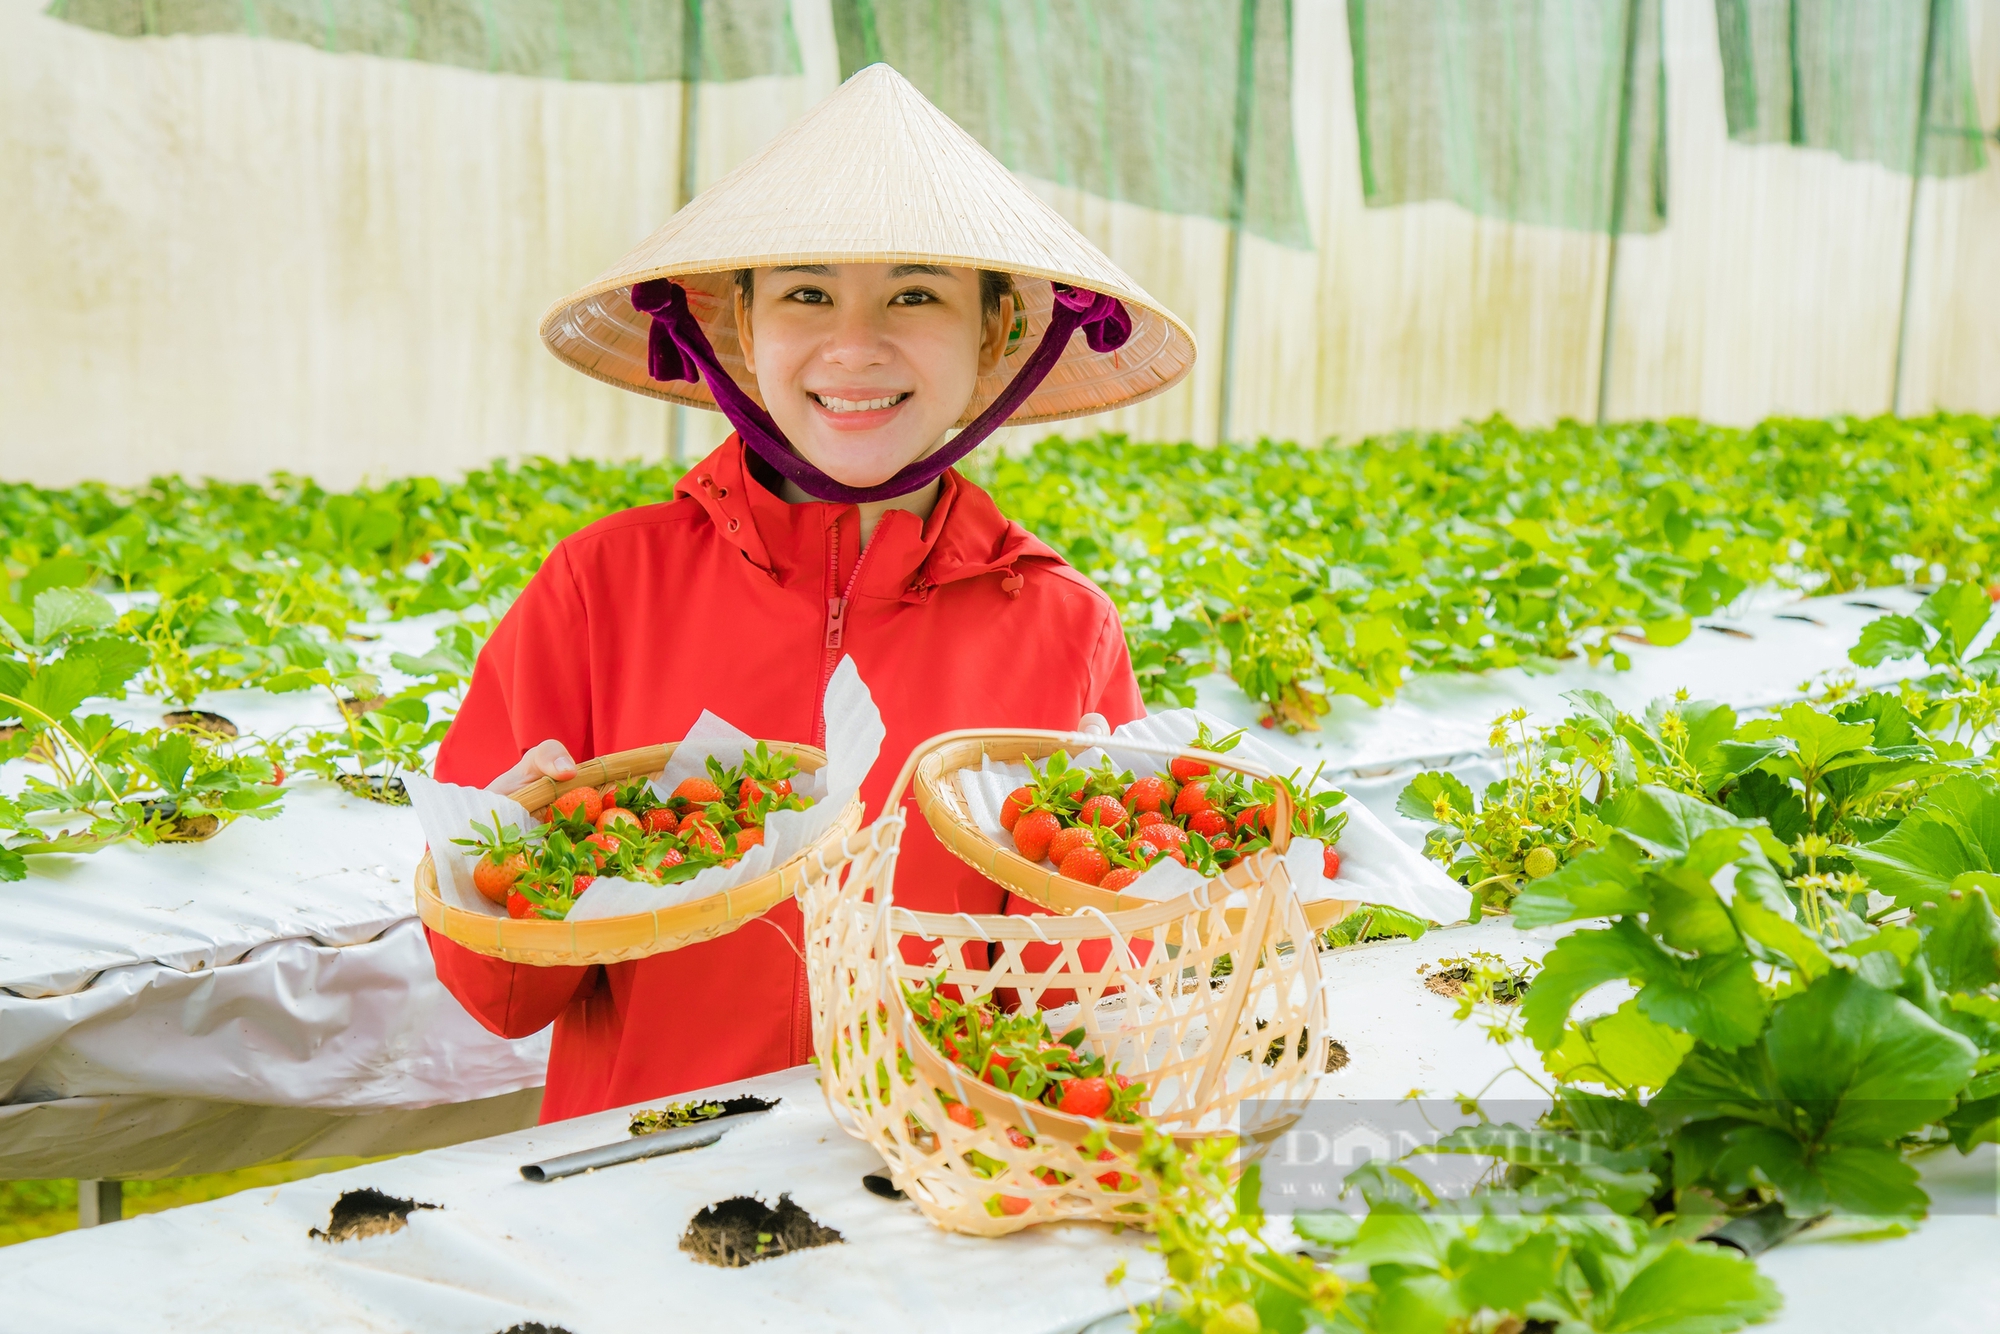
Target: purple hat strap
677	349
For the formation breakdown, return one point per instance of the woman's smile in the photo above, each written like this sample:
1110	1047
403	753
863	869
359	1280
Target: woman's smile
858	410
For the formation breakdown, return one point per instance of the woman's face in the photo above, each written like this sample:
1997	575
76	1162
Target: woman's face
864	367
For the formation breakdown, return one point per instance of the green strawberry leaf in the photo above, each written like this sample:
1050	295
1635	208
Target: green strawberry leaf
61	612
1418	800
1692	1290
1962	936
1955	829
1957	611
1889	639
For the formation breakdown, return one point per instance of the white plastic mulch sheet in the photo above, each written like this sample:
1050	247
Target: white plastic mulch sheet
593	1254
276	964
1375	865
854	732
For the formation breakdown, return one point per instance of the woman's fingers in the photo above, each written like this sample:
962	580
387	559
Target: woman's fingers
547	759
552	758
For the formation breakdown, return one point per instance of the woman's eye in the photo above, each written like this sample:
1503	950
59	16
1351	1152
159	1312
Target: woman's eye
811	296
912	298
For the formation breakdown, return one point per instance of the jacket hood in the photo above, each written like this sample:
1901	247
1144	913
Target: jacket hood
965	536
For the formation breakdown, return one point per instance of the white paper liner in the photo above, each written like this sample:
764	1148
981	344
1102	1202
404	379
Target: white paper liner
1375	865
854	734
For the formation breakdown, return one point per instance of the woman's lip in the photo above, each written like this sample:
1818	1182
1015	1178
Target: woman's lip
873	419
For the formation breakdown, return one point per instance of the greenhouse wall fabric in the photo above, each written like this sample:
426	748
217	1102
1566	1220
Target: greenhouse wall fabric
1184	106
606	41
1521	109
1847	75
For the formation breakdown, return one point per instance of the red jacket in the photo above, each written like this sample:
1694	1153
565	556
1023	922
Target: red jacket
728	598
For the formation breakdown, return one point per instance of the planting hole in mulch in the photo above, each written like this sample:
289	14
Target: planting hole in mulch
201	720
367	1213
677	1114
534	1327
178	828
354	706
742	1231
388	791
1496	980
1336	1055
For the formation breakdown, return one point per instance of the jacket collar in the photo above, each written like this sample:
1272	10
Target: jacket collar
965	536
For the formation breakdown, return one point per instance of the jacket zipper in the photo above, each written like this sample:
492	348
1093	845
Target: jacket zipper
836	628
836	633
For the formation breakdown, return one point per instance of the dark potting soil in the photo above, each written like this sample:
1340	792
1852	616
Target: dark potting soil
367	1213
677	1114
201	720
534	1327
180	828
1336	1055
390	792
742	1231
354	706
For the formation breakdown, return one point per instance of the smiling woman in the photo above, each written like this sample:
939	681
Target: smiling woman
871	281
864	367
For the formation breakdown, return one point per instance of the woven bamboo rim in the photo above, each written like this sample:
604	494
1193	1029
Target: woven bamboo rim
942	804
1160	1012
533	940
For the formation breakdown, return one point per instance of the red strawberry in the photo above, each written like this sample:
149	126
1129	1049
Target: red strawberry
1103	811
496	879
1114	1180
695	829
964	1115
617	815
1210	823
1332	865
1019	1140
608	795
1032	833
1193	798
582	800
1010	809
1012	1204
1118	877
580	883
1254	815
1184	768
518	906
1067	841
660	820
1163	835
1145	818
1085	1097
1086	864
749	838
671	857
602	846
1148	794
698	791
277	775
751	790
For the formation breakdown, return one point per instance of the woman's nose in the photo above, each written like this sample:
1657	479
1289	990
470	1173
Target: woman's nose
859	338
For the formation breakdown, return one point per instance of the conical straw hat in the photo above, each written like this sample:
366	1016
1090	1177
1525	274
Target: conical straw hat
874	174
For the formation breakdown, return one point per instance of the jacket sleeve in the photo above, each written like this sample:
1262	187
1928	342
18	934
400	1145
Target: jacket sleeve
531	683
1114	690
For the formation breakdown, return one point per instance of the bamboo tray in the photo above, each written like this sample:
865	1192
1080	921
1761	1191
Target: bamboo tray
943	807
536	940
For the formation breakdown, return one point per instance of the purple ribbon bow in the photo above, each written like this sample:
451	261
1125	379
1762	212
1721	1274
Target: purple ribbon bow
677	349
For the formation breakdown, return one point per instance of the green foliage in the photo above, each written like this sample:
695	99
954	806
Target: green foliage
1309	572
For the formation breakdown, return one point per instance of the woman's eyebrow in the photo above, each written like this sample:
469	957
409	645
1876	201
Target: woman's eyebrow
905	270
821	269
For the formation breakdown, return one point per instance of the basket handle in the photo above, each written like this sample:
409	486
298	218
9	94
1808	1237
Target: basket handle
1281	822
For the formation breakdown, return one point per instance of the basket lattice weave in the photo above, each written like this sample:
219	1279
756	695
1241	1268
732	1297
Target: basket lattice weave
536	940
1224	1050
943	806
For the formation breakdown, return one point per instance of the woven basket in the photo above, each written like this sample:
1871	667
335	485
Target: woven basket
943	806
1154	1008
536	940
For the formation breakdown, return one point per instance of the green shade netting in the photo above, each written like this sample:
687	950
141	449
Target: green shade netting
1514	108
599	41
1846	75
1179	105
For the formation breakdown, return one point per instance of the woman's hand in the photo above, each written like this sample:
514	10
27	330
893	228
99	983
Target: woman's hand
550	759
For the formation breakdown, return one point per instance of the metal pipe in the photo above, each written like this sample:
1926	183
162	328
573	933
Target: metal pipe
678	1140
1621	164
1917	151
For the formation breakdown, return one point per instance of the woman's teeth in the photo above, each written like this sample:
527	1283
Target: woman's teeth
858	404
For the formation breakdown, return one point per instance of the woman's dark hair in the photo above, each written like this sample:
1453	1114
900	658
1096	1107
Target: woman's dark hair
992	286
